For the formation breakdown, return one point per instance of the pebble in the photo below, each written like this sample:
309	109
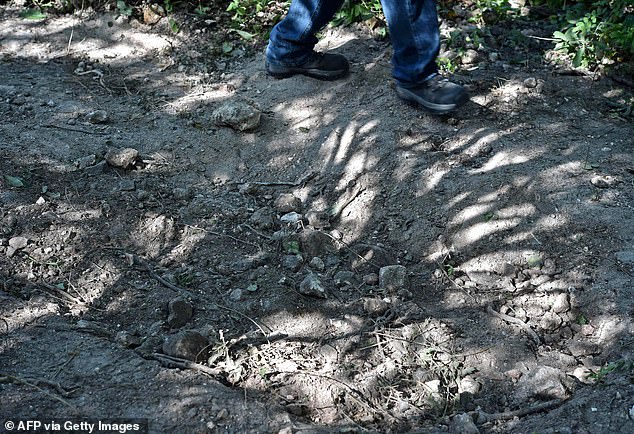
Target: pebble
625	257
344	278
318	219
18	243
317	264
180	312
582	348
187	344
312	286
604	181
122	158
393	277
544	381
292	262
493	56
236	295
530	83
316	243
375	306
264	218
561	303
371	279
506	269
469	57
127	339
550	321
287	202
97	117
463	423
241	115
291	218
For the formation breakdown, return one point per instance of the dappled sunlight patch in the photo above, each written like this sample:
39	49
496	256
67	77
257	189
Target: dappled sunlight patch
502	159
17	316
476	232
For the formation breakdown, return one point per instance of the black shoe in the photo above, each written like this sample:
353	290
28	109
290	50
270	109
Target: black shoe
319	65
437	94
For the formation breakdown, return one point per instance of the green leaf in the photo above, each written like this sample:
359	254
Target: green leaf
60	286
534	261
174	27
244	35
252	287
291	246
33	14
14	181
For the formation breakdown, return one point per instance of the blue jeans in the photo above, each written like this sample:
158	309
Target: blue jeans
413	26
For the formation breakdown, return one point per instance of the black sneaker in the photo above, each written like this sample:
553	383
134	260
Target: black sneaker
323	66
436	94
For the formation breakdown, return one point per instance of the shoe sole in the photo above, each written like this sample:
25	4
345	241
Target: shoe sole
438	109
319	74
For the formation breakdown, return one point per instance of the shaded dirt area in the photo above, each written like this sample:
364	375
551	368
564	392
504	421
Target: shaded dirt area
352	264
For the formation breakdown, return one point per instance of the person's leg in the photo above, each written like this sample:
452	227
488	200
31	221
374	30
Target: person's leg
415	36
292	42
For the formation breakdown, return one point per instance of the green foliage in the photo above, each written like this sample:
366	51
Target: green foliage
256	16
361	10
596	31
124	9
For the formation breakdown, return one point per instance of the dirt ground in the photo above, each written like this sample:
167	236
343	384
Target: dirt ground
465	273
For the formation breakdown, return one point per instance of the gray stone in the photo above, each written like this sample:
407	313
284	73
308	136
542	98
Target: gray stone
122	158
312	286
543	383
530	83
264	218
550	321
626	257
469	57
127	339
18	242
286	202
463	424
371	279
241	115
291	218
316	243
375	306
582	348
318	219
604	181
236	295
561	303
344	278
97	117
393	277
292	262
188	344
317	264
180	312
506	269
368	258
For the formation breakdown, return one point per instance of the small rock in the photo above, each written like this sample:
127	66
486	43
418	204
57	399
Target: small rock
604	181
375	306
86	161
371	279
625	257
180	312
393	277
317	264
291	218
316	243
318	219
150	346
514	374
343	278
506	269
18	243
264	218
463	424
10	252
367	258
127	339
469	57
188	344
292	262
550	321
540	280
493	56
123	158
561	303
287	202
583	374
544	382
312	286
470	385
241	115
582	348
152	13
236	295
97	117
530	83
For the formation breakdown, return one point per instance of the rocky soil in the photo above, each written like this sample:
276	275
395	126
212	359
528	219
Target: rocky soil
187	240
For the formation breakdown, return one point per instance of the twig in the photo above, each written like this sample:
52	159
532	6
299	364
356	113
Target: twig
300	181
508	415
176	362
256	231
27	383
77	130
246	317
517	322
155	276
